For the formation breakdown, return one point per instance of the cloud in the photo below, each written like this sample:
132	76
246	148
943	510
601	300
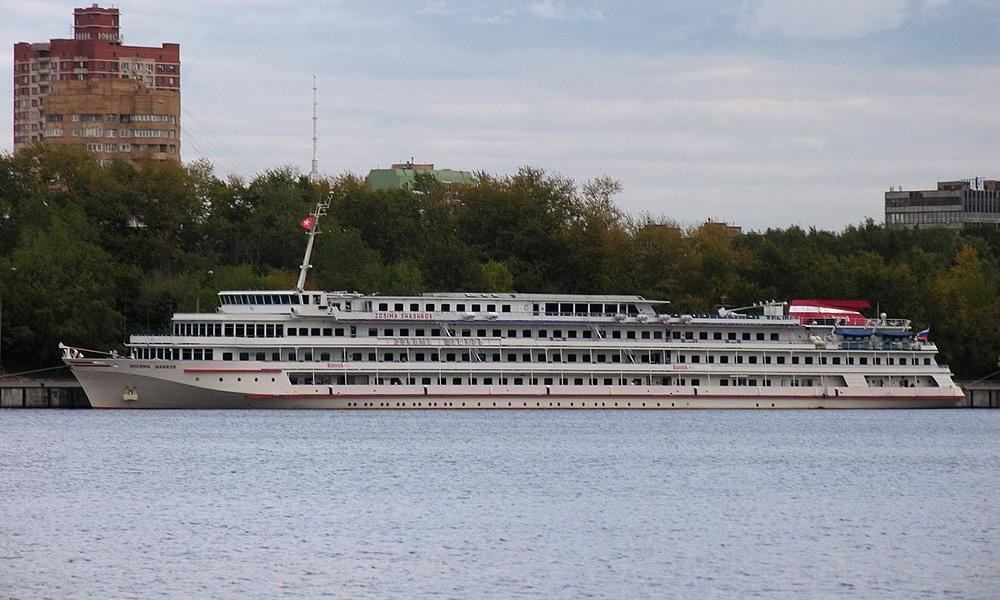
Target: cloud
833	19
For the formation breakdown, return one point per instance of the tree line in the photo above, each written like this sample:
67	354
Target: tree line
91	253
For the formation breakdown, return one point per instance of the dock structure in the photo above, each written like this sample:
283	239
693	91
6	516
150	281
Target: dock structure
42	393
981	394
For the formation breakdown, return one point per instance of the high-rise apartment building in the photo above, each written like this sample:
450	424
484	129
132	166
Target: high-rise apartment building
95	91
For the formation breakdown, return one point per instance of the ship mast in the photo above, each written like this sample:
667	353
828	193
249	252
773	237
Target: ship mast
313	231
314	173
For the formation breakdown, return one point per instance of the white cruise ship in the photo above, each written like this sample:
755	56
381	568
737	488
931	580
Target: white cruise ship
309	349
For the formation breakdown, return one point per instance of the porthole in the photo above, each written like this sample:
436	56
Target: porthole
220	379
197	378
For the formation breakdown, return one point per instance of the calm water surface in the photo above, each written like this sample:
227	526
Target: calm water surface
781	504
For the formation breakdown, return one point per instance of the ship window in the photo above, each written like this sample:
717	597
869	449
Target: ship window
526	333
711	358
541	358
446	307
418	332
547	381
268	300
480	333
724	359
587	334
695	382
339	332
645	335
746	336
227	356
617	334
269	331
565	308
702	335
633	309
229	330
240	330
809	360
616	358
760	337
383	306
795	360
295	299
781	360
724	382
388	332
460	308
717	335
572	333
774	337
429	307
767	360
476	308
675	335
512	333
658	335
186	354
557	333
543	333
836	360
487	381
414	307
863	360
694	358
752	360
199	354
324	356
571	357
491	308
260	356
505	308
496	333
631	334
581	309
511	357
404	332
399	306
731	335
551	308
902	361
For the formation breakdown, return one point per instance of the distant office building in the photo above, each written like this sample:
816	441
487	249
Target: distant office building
953	205
403	176
96	92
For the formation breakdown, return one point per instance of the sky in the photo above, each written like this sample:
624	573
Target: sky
760	113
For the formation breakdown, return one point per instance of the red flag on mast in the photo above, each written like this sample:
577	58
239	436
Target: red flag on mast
308	223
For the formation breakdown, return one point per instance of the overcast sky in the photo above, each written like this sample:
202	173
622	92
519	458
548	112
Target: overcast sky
757	112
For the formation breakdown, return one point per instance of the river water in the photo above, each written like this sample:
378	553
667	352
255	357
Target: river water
688	504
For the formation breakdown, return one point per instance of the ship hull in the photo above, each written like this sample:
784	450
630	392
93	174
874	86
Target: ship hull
110	384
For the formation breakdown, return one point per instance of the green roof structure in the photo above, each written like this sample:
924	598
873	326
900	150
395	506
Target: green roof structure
403	176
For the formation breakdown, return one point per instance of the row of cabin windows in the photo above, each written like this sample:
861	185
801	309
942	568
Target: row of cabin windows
656	357
746	336
548	308
260	330
175	353
443	307
808	360
277	330
333	379
733	381
260	299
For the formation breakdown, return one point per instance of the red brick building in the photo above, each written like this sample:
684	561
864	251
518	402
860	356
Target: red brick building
95	53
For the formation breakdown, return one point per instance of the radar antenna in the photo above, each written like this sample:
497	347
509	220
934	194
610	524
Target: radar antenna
311	225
